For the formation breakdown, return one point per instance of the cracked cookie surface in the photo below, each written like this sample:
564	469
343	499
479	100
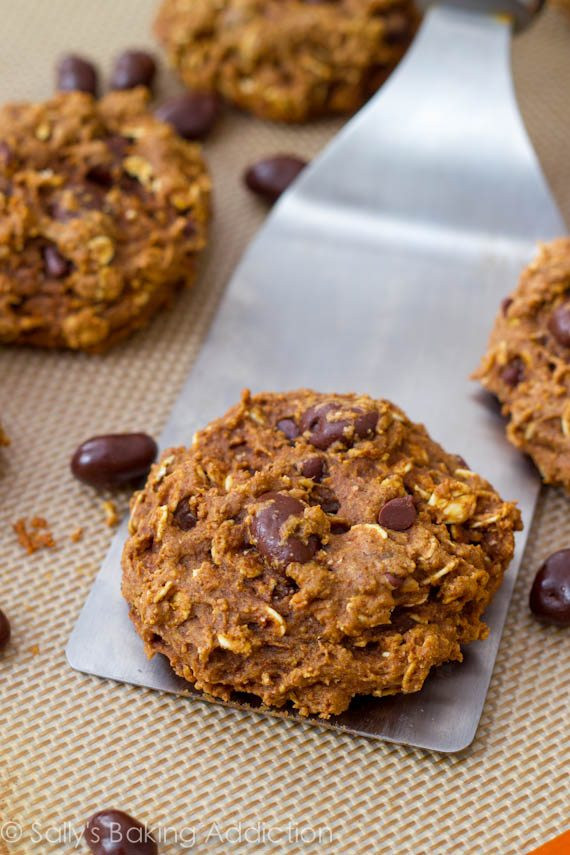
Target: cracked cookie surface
287	60
103	210
308	548
527	364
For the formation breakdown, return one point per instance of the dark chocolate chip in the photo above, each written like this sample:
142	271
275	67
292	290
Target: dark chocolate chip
56	266
513	372
133	68
398	514
393	580
266	527
191	115
339	527
559	324
114	459
325	425
550	592
74	73
506	304
183	517
289	428
365	425
325	497
270	177
114	832
5	630
313	467
100	175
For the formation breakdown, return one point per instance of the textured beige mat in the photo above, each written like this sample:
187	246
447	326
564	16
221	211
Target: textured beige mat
72	744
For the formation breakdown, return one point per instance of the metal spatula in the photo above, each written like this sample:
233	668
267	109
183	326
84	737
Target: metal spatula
380	271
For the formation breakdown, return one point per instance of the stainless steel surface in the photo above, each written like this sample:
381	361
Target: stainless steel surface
381	272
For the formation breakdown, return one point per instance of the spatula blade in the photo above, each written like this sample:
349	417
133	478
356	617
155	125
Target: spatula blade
381	272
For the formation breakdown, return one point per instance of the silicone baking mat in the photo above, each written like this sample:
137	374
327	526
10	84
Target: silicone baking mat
207	778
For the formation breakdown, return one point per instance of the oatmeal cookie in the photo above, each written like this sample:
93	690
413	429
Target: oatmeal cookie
527	364
288	60
103	210
308	548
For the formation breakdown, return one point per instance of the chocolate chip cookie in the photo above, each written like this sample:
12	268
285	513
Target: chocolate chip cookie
103	211
288	60
308	548
527	364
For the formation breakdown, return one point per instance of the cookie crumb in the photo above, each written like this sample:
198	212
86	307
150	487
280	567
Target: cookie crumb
34	535
111	516
76	535
34	649
4	438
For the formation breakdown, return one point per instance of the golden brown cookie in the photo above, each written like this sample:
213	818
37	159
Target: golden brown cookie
288	60
527	364
308	548
103	210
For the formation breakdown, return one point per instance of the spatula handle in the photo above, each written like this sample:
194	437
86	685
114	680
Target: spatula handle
523	12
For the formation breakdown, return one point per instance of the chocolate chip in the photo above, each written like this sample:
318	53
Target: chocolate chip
513	372
550	592
313	467
114	459
325	497
506	304
325	425
56	266
100	175
365	425
398	514
133	68
462	462
559	324
288	427
74	73
339	527
191	115
270	177
266	528
5	630
183	517
114	832
393	580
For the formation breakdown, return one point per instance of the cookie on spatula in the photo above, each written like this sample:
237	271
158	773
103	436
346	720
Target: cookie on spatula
308	548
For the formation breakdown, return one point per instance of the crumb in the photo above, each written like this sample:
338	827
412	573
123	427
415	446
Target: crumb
34	536
34	649
4	438
76	535
111	516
